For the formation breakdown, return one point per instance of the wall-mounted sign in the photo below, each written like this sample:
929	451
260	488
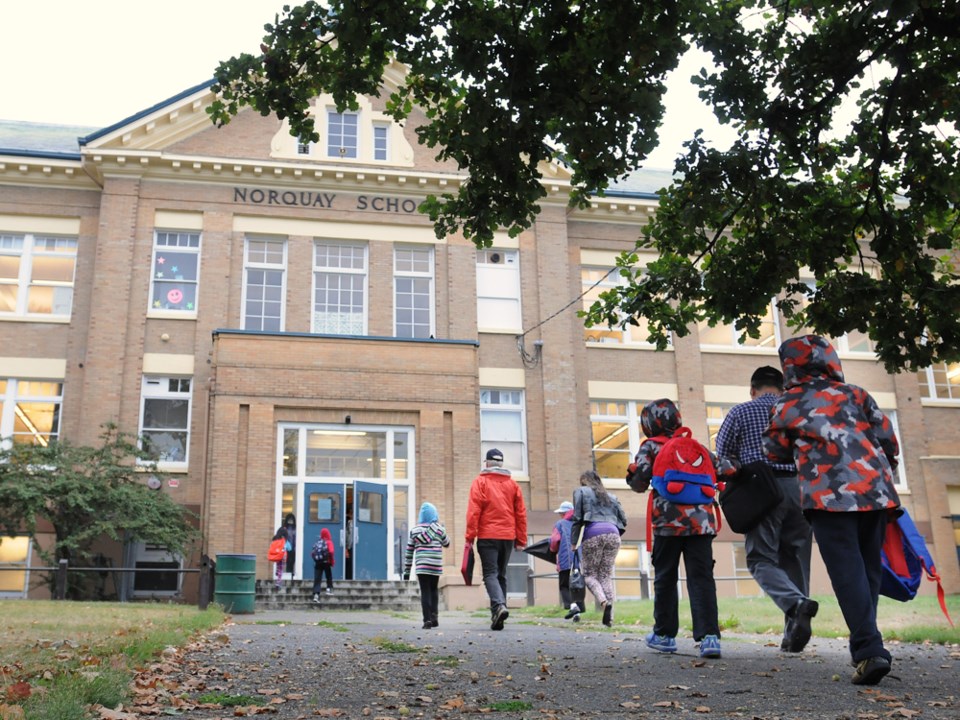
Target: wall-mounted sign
309	199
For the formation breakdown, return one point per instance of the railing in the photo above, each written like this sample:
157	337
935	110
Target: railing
205	571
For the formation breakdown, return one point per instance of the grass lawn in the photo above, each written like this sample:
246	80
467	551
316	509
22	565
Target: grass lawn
57	658
919	620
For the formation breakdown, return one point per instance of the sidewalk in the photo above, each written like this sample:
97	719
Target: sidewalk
382	665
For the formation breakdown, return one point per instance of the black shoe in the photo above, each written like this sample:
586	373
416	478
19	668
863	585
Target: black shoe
608	615
870	671
787	631
801	631
427	624
499	615
573	612
434	621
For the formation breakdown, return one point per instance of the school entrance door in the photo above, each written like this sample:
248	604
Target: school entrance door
355	481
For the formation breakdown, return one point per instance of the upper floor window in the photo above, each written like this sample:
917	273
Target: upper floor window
498	290
342	134
940	381
596	280
381	139
37	274
503	426
165	418
413	291
176	271
264	284
339	288
30	410
854	341
303	146
729	335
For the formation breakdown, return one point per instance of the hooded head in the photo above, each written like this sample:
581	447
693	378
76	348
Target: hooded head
325	533
428	514
659	417
809	357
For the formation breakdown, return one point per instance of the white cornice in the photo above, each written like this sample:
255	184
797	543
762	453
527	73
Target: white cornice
47	172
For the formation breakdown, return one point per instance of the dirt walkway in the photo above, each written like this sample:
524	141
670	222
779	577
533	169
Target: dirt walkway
380	665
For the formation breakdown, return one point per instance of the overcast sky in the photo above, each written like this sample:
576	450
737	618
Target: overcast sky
95	62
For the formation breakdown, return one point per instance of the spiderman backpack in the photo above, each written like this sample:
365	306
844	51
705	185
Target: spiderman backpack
905	560
683	473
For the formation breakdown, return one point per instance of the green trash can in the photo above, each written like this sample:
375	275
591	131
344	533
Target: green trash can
236	586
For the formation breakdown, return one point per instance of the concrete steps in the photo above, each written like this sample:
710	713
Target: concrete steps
347	595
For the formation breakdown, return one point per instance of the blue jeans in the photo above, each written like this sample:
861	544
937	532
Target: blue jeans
494	556
850	545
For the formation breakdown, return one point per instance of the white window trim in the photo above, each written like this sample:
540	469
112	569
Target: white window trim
934	400
331	111
12	397
612	280
143	554
521	409
12	594
632	421
24	282
247	265
168	465
316	269
167	313
736	346
413	274
377	126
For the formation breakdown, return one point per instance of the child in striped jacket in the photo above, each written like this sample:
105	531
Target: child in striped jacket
425	555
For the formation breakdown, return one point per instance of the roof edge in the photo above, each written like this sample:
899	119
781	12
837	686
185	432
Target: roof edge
49	154
148	111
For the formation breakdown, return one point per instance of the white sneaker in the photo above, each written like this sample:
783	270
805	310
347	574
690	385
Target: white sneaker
316	598
329	591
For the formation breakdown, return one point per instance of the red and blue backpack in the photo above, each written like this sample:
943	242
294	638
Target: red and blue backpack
906	560
683	473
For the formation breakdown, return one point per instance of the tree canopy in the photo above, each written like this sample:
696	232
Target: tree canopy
87	494
854	224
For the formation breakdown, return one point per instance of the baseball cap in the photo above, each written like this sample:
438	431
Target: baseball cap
565	506
494	454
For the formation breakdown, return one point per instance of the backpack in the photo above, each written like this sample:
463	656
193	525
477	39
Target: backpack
683	473
905	560
277	551
321	552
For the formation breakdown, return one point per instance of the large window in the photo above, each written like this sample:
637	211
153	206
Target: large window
264	284
30	410
854	341
716	412
176	271
940	382
615	425
381	147
503	426
36	274
729	335
165	418
596	280
339	279
342	136
413	291
498	290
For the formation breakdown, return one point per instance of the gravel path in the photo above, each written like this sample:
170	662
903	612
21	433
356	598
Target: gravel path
382	665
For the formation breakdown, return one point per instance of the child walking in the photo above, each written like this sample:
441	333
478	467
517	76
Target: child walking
845	451
679	530
425	555
323	562
277	554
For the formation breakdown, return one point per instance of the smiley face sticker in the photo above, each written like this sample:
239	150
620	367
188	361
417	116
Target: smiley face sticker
175	296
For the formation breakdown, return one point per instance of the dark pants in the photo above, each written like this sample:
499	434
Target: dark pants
778	549
697	552
566	596
850	545
429	596
319	570
494	556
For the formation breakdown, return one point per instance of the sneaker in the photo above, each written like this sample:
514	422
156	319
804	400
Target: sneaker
608	615
329	591
499	615
661	643
870	671
573	612
316	598
710	647
801	631
576	618
427	624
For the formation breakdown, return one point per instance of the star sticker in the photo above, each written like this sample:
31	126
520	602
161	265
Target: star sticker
156	303
189	306
159	274
174	269
160	261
